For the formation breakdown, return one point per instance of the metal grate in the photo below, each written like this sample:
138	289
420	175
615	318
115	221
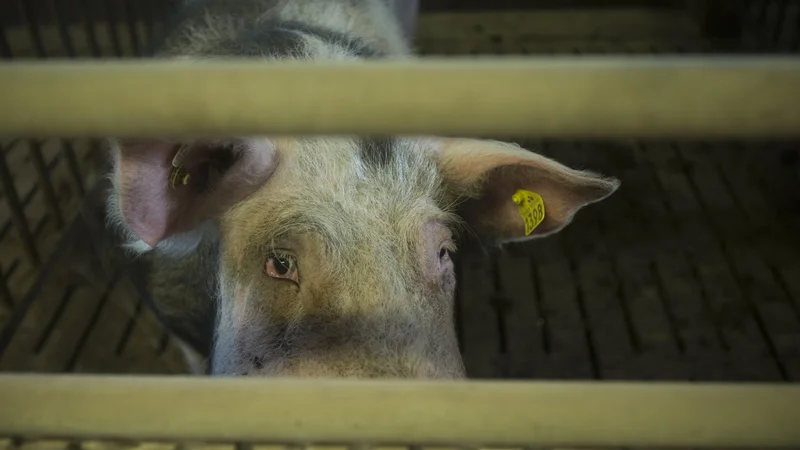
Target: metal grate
41	182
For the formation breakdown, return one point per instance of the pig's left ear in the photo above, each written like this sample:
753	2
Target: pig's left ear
485	175
167	188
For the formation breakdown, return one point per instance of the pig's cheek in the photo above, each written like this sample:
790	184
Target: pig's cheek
279	300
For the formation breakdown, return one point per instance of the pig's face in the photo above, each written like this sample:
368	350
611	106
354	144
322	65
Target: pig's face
335	252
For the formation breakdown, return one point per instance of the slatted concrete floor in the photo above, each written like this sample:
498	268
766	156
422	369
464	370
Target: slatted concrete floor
84	316
41	207
688	272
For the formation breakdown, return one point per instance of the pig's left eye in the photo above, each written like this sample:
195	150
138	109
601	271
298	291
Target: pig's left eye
282	266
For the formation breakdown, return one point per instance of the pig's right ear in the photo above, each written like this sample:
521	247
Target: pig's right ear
164	188
489	175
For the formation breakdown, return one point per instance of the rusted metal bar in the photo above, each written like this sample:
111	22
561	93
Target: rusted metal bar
581	97
17	211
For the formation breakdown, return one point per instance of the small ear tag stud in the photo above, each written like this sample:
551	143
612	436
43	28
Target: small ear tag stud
531	208
178	173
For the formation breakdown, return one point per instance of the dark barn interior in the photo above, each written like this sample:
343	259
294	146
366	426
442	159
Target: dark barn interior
690	272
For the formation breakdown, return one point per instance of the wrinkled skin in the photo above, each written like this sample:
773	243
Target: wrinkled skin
320	256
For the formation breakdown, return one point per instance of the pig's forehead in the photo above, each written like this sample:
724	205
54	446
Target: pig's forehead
376	154
346	190
344	212
342	229
356	169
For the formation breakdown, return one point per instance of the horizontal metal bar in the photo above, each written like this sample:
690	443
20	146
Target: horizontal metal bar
400	412
545	97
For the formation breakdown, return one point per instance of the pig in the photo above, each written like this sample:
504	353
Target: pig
319	256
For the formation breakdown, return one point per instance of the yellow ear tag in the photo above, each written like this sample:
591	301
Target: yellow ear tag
531	208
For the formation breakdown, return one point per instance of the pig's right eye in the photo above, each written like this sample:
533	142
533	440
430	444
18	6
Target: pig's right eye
282	266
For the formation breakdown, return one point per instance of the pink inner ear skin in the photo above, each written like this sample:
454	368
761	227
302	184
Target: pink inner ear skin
154	210
256	162
145	201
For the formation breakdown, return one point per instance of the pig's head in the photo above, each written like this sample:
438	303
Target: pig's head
335	253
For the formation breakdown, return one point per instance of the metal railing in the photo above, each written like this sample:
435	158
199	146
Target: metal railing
400	413
598	97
